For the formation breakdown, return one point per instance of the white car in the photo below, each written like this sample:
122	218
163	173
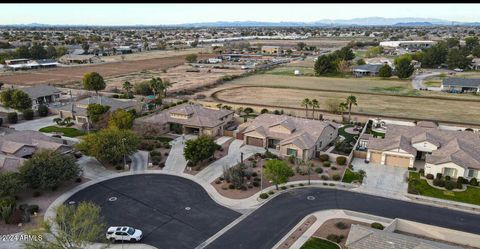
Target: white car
458	70
124	233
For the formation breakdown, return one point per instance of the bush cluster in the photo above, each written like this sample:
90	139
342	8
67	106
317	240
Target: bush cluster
377	225
341	160
324	157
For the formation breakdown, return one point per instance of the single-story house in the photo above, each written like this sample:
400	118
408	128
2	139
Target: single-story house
78	110
189	119
270	49
452	153
17	64
15	146
366	70
79	59
42	94
291	136
461	85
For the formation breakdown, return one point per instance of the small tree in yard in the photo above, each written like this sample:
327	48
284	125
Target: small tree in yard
12	117
73	227
10	183
27	114
404	66
16	99
42	110
199	149
191	58
95	111
121	119
47	169
277	171
385	71
93	81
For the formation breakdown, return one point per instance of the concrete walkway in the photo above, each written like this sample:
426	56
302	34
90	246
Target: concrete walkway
139	161
36	124
93	169
214	170
176	162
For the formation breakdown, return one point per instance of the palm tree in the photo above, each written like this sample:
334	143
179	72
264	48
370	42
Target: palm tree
127	86
306	103
351	100
156	85
314	103
166	84
341	108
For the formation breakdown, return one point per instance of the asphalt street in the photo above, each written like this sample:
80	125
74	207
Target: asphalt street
171	211
177	213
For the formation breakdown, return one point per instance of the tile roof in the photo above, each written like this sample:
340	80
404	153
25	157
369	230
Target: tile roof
11	143
80	107
304	133
195	115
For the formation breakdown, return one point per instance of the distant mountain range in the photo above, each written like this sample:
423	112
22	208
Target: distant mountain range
368	21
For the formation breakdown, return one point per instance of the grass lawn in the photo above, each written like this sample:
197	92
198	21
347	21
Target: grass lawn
434	83
67	131
471	195
351	176
348	136
378	134
317	243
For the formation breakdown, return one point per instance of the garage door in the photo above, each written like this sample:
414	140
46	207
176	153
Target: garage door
375	157
255	141
399	161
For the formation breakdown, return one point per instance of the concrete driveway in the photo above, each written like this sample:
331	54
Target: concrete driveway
417	81
176	162
36	124
382	180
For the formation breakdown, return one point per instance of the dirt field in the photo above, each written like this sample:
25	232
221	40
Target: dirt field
398	106
65	75
179	76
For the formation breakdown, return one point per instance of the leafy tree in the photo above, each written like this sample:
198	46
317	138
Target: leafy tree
191	58
404	67
143	88
471	43
127	86
476	52
277	171
10	183
452	42
199	149
374	51
93	82
345	53
306	103
42	110
325	64
28	114
47	169
22	52
435	55
61	51
156	85
343	66
16	99
361	62
73	227
301	46
109	145
85	47
458	59
51	52
351	100
95	111
38	52
385	71
121	119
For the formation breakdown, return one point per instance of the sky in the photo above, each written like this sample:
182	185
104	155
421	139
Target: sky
161	14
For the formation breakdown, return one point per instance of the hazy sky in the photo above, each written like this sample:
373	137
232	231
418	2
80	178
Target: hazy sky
131	14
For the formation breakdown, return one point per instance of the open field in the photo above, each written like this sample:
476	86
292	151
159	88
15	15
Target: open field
65	75
181	77
397	106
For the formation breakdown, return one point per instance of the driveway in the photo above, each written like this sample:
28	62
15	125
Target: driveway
93	169
36	124
176	162
382	180
417	81
139	161
214	170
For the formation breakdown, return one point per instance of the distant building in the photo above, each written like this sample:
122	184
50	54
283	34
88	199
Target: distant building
461	85
79	59
366	70
42	94
407	44
270	49
25	64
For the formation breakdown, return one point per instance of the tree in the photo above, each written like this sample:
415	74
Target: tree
156	85
404	67
306	103
277	171
314	104
452	42
199	149
351	100
95	111
458	59
325	64
47	169
43	110
93	82
374	51
143	88
127	86
109	145
28	114
345	53
121	119
38	52
471	43
61	51
385	71
85	47
12	117
435	55
16	99
22	52
301	46
361	62
191	58
343	66
73	227
10	183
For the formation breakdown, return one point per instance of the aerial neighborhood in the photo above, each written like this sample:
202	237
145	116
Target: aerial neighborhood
342	133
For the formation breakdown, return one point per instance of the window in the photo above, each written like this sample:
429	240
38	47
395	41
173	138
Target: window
291	152
472	173
449	172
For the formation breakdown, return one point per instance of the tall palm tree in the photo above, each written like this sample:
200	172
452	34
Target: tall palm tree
156	85
314	103
342	107
127	86
306	103
351	100
166	84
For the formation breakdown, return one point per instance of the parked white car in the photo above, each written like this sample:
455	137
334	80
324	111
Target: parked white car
458	70
122	233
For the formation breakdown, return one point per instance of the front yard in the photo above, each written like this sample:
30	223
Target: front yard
317	243
471	195
66	131
352	176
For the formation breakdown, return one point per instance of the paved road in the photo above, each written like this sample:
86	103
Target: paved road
35	124
156	204
267	225
417	81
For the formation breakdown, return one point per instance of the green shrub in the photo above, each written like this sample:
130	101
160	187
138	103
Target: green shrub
256	184
283	187
336	177
377	225
324	177
335	238
449	185
271	192
42	110
301	184
439	176
341	160
326	164
318	170
264	195
324	157
474	182
421	172
33	209
341	225
12	117
447	178
231	186
460	180
429	176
